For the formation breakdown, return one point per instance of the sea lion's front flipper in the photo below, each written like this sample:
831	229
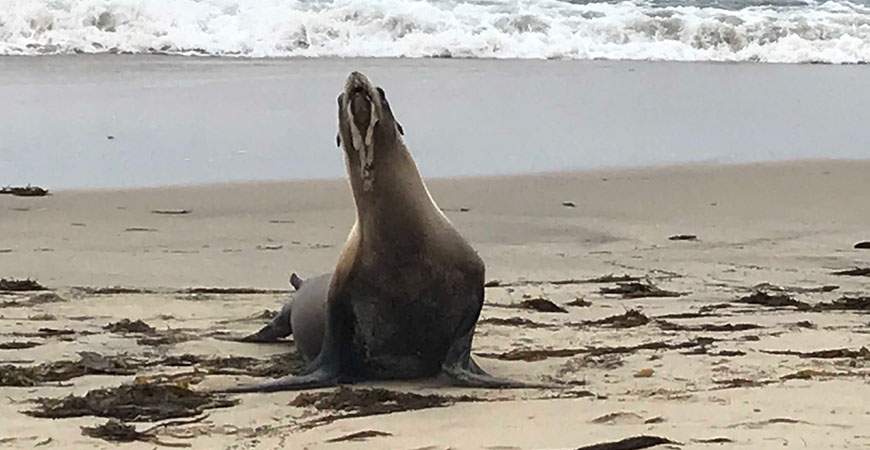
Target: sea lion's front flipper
461	369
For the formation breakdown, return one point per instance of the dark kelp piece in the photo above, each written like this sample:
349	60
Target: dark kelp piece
542	305
708	327
632	318
683	237
773	301
638	290
845	304
24	191
116	431
232	290
347	403
141	402
15	285
359	436
524	354
856	272
34	300
579	302
275	367
18	345
862	353
515	322
129	326
90	364
632	443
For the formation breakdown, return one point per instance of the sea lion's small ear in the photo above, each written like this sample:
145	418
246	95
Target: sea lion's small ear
338	139
401	130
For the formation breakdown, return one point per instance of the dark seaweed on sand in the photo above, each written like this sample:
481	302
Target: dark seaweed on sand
845	304
632	443
515	322
862	353
542	354
346	402
90	363
683	237
15	285
276	366
579	302
129	326
33	300
638	290
141	402
630	319
708	327
856	272
232	290
18	345
24	191
774	301
116	431
359	436
542	305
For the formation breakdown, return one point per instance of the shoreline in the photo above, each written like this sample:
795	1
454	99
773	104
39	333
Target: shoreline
685	166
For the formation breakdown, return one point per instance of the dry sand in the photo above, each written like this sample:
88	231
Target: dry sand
787	224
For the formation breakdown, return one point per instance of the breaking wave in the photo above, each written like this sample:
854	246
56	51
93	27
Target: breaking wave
787	31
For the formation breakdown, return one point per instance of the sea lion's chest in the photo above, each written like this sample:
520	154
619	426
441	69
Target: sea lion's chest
404	310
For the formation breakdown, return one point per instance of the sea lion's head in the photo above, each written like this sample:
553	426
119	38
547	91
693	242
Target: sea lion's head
365	122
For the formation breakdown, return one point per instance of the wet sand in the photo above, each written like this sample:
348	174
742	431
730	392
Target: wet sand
176	120
688	368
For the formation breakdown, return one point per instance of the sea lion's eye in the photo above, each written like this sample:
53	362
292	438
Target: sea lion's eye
401	130
339	100
382	95
338	139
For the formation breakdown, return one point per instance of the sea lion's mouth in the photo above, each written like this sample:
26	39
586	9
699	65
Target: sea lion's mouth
363	113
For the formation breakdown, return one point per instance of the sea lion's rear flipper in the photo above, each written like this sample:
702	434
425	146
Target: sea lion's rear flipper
295	281
316	379
324	371
280	326
276	329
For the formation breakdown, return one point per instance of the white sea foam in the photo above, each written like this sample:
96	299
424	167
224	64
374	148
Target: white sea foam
833	32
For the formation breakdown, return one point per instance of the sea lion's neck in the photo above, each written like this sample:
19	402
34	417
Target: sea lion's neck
393	205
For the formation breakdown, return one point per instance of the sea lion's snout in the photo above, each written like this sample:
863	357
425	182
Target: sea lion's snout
362	111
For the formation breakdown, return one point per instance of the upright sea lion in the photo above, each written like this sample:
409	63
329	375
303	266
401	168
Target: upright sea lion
407	289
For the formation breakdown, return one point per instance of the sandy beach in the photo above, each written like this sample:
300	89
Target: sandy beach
696	362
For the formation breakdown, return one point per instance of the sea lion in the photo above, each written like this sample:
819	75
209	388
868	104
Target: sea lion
407	289
304	316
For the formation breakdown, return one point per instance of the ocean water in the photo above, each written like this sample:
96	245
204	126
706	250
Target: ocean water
775	31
